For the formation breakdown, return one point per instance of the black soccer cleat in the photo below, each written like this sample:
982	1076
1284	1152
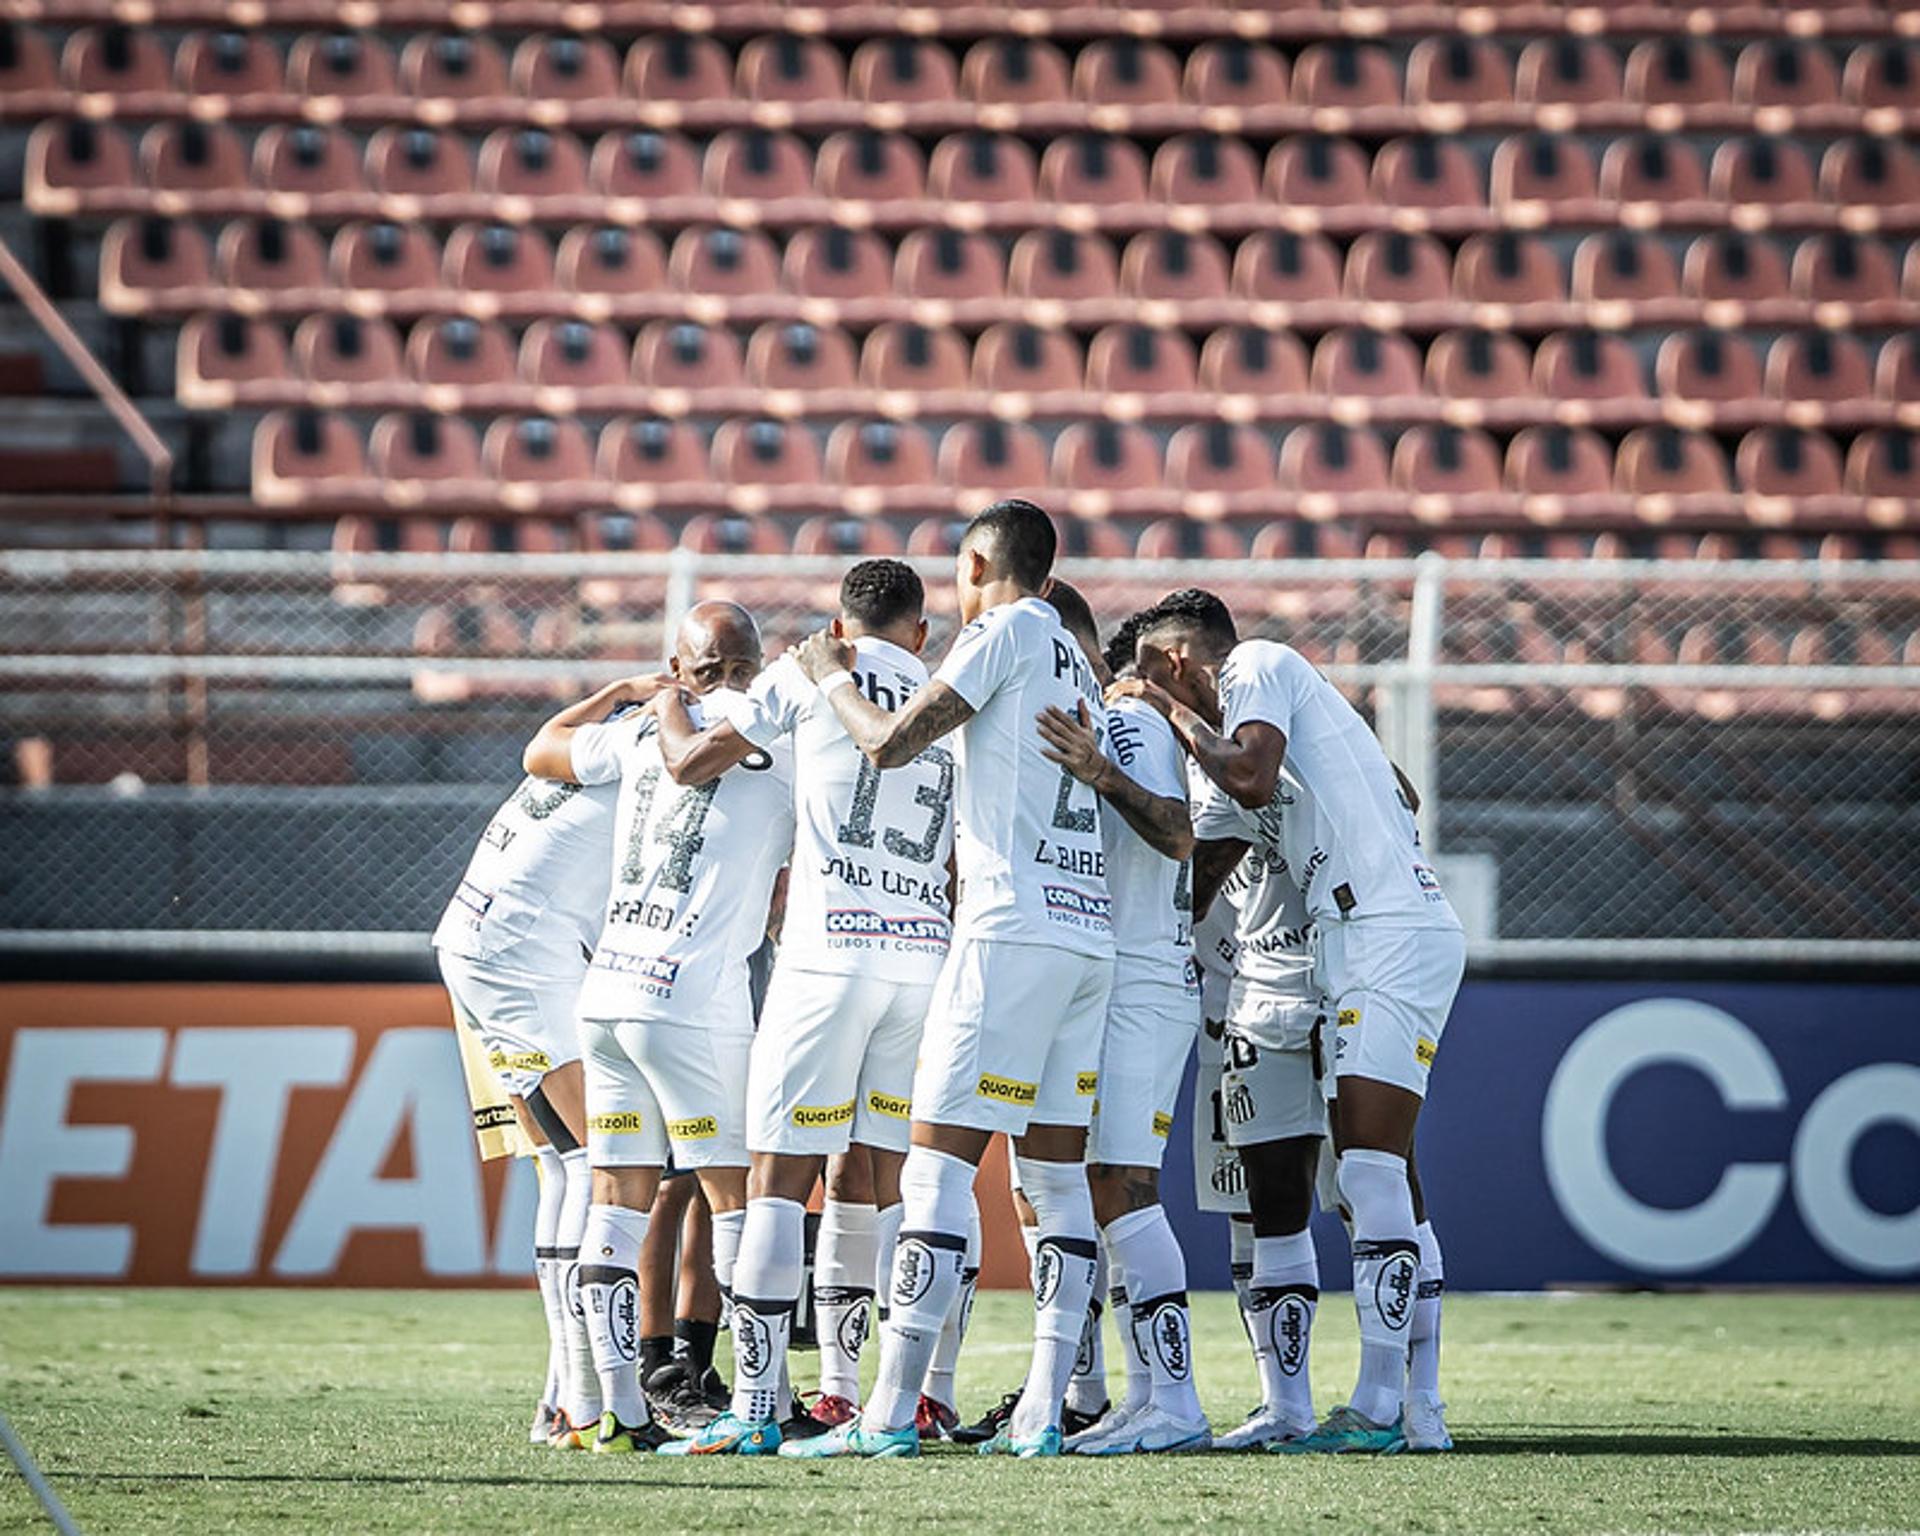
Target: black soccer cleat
989	1424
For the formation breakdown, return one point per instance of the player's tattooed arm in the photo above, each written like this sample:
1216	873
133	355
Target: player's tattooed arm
550	754
1246	765
1214	859
692	756
1164	821
888	738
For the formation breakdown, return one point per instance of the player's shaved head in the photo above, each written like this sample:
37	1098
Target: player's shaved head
717	646
1076	616
1016	540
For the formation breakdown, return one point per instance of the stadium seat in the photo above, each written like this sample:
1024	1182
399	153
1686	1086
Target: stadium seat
801	357
1883	75
219	351
230	65
723	261
530	162
465	353
1479	365
1345	74
905	356
670	354
1621	265
981	168
1214	457
764	452
1106	456
1233	72
1297	539
1841	268
539	450
1666	461
849	538
1818	366
1282	266
192	156
1731	265
1896	373
1394	267
1095	168
359	534
992	456
1707	365
307	455
1126	72
649	451
116	61
27	62
519	535
1787	462
269	255
1559	461
1870	172
347	349
1188	538
863	165
1508	268
1761	170
1315	171
784	67
757	165
565	67
1785	72
1062	264
1587	365
947	264
1378	364
341	65
418	162
729	533
1172	265
1458	71
1205	170
1544	168
1426	172
1652	168
644	164
611	261
1884	463
1678	72
427	453
571	354
832	262
499	259
1022	360
1326	458
454	66
678	66
148	261
1014	70
1140	360
1244	360
1446	461
906	70
385	258
880	454
1576	71
306	159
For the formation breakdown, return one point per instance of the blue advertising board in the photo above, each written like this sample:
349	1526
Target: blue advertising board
1658	1133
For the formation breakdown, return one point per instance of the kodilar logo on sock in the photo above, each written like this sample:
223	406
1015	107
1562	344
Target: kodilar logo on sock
1290	1321
1046	1273
752	1343
1393	1291
623	1309
912	1272
853	1330
1170	1341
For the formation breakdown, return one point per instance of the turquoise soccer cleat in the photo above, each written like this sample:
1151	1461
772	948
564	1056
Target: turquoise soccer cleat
729	1436
1344	1433
1048	1442
854	1439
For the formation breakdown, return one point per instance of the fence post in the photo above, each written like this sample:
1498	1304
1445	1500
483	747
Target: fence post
1419	720
683	570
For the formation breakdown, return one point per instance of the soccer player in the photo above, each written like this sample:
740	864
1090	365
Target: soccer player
1012	1041
512	946
1389	959
665	1017
1152	1018
867	926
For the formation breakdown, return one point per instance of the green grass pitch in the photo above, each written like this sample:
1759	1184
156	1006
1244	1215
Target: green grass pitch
348	1412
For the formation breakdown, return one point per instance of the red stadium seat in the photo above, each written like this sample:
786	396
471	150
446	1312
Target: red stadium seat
729	533
723	261
418	162
1707	365
1841	268
1393	267
1784	461
1652	168
1232	72
992	456
1379	364
1139	360
1818	365
1677	71
1172	265
801	357
456	66
116	60
679	66
882	454
914	359
850	538
1896	373
1541	168
1215	457
538	450
1559	461
1458	70
571	354
908	70
1884	463
1761	170
1785	72
784	67
1105	456
947	264
530	162
1188	538
1330	459
26	61
346	349
758	165
831	262
650	451
306	159
1426	172
981	168
1247	361
425	451
1446	461
305	455
1621	265
498	259
1280	265
1883	75
385	258
1587	365
229	64
676	355
1870	172
1093	168
1126	72
1062	264
1731	265
1205	170
192	156
1508	268
1345	74
75	157
267	255
219	351
340	65
644	164
1021	360
612	261
763	452
358	534
1479	365
1315	171
1014	70
1666	461
465	353
564	67
1575	70
863	165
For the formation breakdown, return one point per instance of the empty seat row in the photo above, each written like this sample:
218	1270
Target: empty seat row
307	453
160	263
221	355
74	159
1114	74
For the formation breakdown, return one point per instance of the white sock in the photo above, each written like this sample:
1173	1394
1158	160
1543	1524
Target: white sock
727	1227
1281	1302
1065	1253
610	1295
936	1191
1423	1338
1240	1263
886	1236
1030	1236
766	1287
843	1278
1386	1265
547	1267
1087	1386
953	1331
580	1396
1146	1250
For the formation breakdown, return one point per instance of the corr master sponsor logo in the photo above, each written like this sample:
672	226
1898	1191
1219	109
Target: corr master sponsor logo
860	922
1065	899
661	970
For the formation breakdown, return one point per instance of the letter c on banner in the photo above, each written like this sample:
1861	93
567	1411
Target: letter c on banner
1573	1134
1845	1225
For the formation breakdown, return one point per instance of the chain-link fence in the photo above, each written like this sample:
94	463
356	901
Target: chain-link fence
1615	752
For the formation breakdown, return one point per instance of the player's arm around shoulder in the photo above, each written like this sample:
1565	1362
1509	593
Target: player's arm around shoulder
1156	810
550	754
888	738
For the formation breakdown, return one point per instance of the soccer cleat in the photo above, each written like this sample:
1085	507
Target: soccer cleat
1423	1428
676	1402
852	1439
1082	1443
567	1436
800	1424
1263	1427
713	1387
1152	1430
934	1419
1025	1447
831	1411
729	1436
617	1439
1074	1422
1343	1433
989	1423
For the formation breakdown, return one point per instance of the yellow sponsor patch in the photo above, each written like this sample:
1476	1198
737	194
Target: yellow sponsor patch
1424	1050
487	1116
1162	1125
1087	1084
1348	1017
625	1123
886	1104
1006	1089
524	1061
699	1128
813	1116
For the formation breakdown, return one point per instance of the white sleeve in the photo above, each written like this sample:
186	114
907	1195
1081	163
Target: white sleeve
781	696
596	751
747	715
1141	742
980	662
1259	684
1216	818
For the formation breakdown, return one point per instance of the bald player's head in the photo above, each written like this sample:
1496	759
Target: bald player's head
717	646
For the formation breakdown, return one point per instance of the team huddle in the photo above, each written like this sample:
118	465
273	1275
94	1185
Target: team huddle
1009	896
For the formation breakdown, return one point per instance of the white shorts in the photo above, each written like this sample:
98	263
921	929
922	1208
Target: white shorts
1219	1180
1012	1037
1271	1020
1268	1095
833	1063
669	1083
1388	992
1151	1025
526	1022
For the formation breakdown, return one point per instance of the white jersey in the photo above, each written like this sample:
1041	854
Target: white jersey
1152	894
693	867
535	890
1032	870
868	894
1216	940
1274	934
1350	837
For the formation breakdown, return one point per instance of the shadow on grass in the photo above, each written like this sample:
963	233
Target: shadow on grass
392	1480
1584	1440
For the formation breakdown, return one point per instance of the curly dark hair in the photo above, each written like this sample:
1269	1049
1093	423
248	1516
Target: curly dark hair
1191	611
880	593
1124	643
